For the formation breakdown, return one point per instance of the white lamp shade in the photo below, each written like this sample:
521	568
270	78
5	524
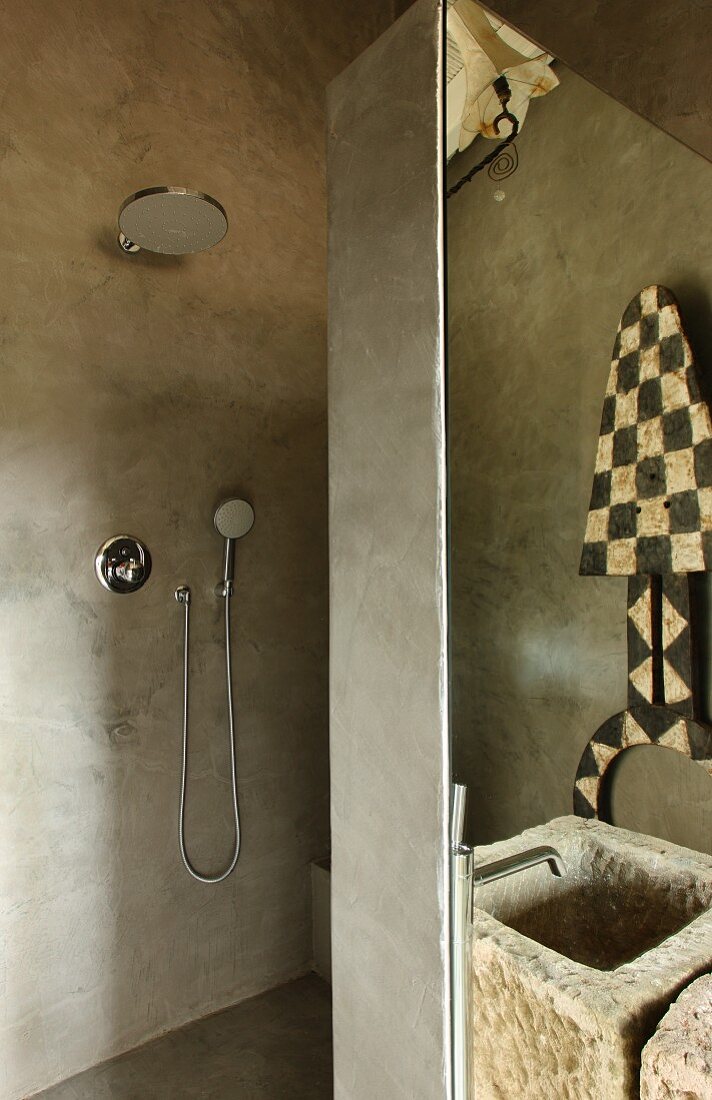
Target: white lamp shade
486	56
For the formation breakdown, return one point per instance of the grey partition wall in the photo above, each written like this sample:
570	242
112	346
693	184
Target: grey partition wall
389	748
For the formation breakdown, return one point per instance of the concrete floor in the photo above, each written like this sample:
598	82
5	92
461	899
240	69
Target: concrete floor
273	1047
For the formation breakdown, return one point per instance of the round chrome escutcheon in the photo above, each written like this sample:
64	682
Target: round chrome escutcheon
123	564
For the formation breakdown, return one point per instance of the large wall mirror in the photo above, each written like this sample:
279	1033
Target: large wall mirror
547	247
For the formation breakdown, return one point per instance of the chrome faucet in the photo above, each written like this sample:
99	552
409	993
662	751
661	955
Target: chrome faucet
463	878
510	865
461	919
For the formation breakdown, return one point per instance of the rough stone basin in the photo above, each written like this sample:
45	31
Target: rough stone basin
570	976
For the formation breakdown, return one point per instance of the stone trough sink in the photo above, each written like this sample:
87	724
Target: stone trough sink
571	975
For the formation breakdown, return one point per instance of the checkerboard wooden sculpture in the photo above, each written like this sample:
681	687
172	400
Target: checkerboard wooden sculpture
651	505
650	519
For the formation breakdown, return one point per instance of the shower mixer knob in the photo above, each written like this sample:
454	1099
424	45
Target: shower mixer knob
130	571
123	564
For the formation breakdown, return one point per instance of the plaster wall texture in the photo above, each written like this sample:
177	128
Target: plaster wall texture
653	59
602	204
390	775
136	393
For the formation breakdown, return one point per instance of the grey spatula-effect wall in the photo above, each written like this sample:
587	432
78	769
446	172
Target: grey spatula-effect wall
390	773
652	58
602	204
135	393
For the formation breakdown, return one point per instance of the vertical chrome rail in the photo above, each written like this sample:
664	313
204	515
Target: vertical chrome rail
461	915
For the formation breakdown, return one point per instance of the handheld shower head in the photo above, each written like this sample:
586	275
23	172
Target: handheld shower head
233	520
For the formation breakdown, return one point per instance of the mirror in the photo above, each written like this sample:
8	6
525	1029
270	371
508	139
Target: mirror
601	204
544	253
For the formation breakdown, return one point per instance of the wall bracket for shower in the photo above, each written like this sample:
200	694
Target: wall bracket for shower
170	220
122	564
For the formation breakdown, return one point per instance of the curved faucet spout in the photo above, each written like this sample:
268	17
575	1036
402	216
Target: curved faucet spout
511	865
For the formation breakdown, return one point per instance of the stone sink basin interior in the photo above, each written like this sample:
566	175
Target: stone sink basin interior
612	906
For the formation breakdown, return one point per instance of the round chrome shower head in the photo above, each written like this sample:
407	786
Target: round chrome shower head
171	220
234	518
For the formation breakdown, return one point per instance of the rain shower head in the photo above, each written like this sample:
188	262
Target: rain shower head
171	220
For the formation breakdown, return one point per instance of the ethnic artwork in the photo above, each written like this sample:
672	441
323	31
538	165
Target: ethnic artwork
661	689
651	503
650	519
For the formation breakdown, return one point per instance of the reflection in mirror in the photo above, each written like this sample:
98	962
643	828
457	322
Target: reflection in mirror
677	802
541	264
536	286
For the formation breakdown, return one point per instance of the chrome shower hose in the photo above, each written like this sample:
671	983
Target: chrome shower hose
184	598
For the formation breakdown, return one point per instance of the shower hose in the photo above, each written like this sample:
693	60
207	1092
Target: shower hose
185	600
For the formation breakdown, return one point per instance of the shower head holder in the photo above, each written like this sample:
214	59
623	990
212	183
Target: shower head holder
126	245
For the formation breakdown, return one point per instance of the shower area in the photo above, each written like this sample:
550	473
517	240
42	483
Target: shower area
162	357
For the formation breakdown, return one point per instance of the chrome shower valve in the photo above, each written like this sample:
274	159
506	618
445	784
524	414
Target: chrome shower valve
123	564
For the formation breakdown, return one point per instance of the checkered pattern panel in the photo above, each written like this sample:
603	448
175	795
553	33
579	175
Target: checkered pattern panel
640	641
660	667
677	667
643	725
651	504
